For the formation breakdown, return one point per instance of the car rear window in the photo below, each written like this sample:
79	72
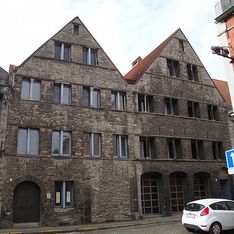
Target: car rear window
194	207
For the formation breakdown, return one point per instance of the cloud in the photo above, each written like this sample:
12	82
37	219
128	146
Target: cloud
124	28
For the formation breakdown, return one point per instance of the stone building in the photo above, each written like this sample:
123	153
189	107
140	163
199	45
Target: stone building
85	144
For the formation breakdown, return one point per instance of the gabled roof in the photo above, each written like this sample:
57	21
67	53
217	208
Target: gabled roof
223	88
141	67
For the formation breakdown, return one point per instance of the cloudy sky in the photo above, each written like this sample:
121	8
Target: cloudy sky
124	28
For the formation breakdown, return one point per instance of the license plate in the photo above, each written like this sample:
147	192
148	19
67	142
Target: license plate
192	216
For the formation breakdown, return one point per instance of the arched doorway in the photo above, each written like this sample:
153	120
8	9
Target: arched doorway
177	190
150	193
201	185
26	203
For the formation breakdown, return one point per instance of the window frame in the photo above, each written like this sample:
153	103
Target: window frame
116	97
61	143
59	51
61	100
148	103
28	141
197	149
171	106
89	56
30	88
213	112
76	28
218	150
91	91
175	147
147	147
193	109
62	194
118	146
173	68
192	72
89	139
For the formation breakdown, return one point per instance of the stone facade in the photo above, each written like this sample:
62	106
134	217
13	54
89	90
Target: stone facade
106	187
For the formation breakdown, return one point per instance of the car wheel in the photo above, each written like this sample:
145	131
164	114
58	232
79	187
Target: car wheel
215	228
189	230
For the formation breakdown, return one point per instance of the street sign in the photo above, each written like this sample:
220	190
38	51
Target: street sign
230	161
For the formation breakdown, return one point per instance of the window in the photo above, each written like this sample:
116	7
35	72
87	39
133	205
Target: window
219	206
193	109
118	100
28	141
173	67
91	97
120	146
218	151
181	45
76	29
31	89
197	149
92	144
62	51
64	194
147	147
212	112
145	103
230	205
62	94
171	106
61	143
174	148
89	56
192	72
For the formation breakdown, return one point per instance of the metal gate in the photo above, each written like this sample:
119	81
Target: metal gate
150	193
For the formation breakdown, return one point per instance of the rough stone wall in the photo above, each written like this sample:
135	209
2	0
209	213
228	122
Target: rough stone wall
106	188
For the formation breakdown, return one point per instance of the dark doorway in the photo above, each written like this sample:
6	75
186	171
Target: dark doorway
26	203
225	187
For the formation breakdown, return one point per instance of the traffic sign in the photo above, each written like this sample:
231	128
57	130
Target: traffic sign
230	161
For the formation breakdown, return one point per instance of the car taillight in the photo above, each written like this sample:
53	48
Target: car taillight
205	211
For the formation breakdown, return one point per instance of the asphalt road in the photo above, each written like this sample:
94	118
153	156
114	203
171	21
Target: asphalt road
163	228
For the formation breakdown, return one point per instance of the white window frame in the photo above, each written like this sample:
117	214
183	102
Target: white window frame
28	141
31	82
118	145
62	51
91	144
146	107
117	96
61	143
148	146
63	196
89	56
61	86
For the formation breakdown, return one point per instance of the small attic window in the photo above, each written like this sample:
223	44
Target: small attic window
76	29
181	45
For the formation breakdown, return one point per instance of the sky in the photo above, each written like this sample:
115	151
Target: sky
125	29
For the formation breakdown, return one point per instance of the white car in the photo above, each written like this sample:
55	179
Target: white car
210	215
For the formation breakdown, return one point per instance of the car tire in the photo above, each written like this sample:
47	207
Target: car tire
189	229
215	228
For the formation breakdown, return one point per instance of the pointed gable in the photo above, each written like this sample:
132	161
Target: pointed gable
75	36
144	64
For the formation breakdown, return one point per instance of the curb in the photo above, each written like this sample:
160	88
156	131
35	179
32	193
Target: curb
92	228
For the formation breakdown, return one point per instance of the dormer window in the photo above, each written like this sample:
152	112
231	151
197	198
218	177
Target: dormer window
89	56
62	51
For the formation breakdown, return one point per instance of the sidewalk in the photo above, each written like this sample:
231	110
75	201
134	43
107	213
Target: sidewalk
92	227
